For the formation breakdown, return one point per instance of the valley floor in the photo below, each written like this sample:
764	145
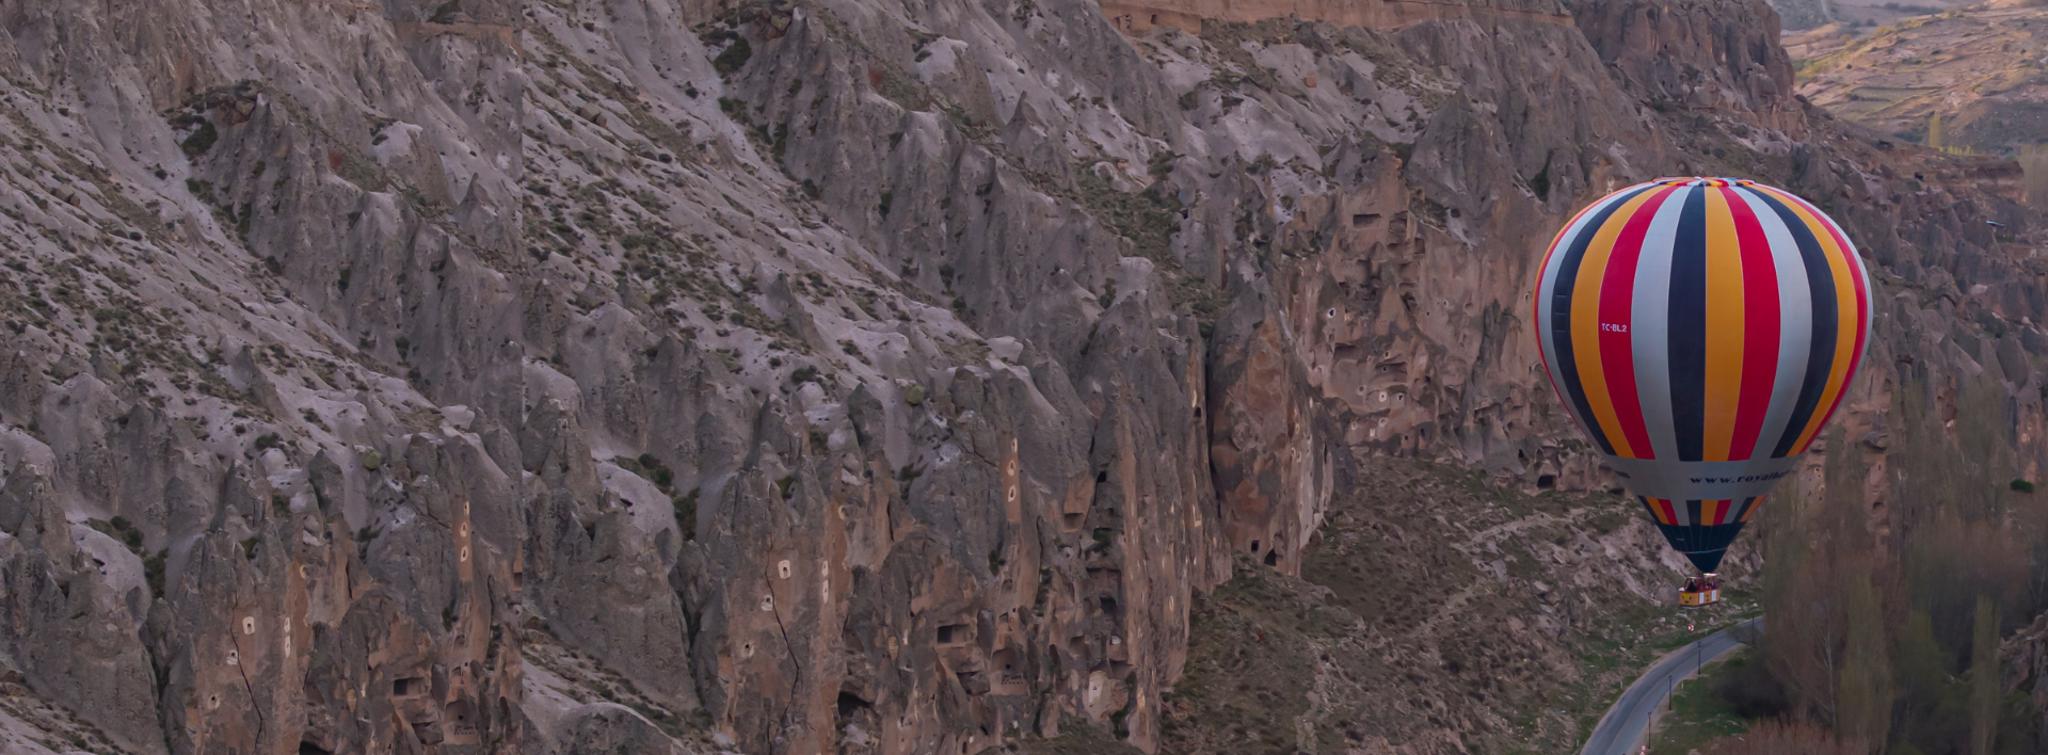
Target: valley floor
1438	613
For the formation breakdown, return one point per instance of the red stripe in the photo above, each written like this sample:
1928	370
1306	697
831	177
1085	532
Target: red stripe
1862	310
1760	327
1617	350
1670	512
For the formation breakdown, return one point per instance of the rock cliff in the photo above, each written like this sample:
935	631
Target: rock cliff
831	375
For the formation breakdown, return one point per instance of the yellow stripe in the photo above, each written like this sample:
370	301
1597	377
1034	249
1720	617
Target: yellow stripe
1724	329
1657	510
1586	322
1753	506
1846	324
1709	510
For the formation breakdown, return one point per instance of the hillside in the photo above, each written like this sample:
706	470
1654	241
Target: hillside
1506	628
478	376
1819	15
1981	71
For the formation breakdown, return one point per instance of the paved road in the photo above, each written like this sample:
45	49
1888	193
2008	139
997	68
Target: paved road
1621	731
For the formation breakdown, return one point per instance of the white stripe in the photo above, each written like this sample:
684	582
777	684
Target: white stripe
1679	513
1546	293
1795	321
1649	324
1857	267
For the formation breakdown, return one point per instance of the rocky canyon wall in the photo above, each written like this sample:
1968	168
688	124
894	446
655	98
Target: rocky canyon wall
481	376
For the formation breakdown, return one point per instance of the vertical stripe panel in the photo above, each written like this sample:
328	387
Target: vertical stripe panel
1841	284
1687	310
1558	306
1795	319
1649	324
1725	309
1600	324
1825	320
1760	325
1852	283
1546	278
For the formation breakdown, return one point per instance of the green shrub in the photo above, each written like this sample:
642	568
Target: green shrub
686	515
200	140
734	57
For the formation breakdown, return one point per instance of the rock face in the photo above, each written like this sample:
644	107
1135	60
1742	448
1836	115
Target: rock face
479	376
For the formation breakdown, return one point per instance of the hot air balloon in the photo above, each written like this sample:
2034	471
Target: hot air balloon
1701	331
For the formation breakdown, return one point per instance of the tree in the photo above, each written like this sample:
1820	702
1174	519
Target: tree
1864	708
1984	692
1783	738
1828	594
1803	651
1937	132
1930	711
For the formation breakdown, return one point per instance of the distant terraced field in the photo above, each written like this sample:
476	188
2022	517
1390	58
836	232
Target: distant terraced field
1982	70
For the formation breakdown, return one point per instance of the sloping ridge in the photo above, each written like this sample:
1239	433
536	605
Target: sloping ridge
1138	16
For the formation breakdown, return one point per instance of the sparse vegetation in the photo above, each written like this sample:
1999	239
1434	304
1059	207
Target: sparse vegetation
120	529
1720	702
1902	647
734	56
201	139
686	515
651	468
153	572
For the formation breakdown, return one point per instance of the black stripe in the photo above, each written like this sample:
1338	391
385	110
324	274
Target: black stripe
1820	358
1561	317
1687	342
1703	546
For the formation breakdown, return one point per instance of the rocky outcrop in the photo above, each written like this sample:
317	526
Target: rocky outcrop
1686	56
74	601
795	377
1139	16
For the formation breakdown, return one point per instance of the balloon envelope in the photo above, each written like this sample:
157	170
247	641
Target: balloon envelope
1701	331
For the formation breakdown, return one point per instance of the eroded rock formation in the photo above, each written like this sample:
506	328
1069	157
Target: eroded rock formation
479	376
